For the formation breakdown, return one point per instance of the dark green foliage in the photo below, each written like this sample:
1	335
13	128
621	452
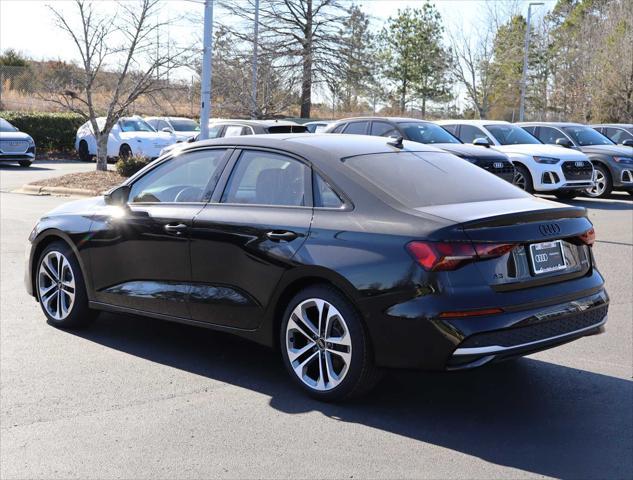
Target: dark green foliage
128	166
51	131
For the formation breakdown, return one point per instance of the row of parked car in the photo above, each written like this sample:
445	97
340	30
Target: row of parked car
564	159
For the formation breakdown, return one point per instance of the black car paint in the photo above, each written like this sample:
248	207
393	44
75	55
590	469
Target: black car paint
485	159
238	280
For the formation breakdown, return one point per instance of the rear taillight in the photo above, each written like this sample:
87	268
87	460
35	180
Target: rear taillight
589	237
441	256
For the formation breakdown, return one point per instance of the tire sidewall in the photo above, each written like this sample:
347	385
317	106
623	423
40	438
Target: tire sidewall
608	182
529	184
79	313
360	347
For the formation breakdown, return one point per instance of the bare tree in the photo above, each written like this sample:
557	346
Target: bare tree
119	47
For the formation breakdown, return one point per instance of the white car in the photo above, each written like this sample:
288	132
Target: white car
129	136
180	127
539	167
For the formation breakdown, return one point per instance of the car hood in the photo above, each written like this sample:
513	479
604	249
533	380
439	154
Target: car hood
541	150
608	150
463	150
14	136
85	206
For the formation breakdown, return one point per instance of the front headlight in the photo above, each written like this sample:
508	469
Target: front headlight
547	160
624	160
31	142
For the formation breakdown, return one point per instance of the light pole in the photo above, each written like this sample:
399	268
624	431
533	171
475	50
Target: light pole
525	60
205	84
255	46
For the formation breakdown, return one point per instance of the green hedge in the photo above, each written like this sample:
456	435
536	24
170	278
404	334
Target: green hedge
51	131
128	166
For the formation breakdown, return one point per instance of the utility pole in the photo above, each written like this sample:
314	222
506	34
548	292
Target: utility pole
205	89
525	61
255	47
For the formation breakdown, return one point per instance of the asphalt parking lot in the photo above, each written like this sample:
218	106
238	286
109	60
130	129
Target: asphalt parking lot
139	398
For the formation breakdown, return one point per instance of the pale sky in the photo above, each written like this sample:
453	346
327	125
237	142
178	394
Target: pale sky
27	26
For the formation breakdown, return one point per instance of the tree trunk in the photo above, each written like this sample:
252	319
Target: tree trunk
403	98
102	152
306	80
423	107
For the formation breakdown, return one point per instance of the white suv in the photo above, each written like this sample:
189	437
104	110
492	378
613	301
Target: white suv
540	168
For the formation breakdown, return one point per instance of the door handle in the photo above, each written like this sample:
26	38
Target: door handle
175	229
281	236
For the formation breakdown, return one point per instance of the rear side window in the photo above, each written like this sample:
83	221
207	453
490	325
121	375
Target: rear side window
264	178
324	195
359	128
422	179
618	135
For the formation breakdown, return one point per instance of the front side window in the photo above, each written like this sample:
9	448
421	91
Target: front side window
511	135
585	136
339	128
186	178
425	132
470	133
265	178
234	131
383	129
549	135
135	125
214	131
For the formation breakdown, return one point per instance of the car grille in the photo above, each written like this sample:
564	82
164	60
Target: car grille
14	146
538	331
506	170
579	170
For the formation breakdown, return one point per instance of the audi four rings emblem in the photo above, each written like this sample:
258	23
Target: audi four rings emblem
549	229
579	164
497	165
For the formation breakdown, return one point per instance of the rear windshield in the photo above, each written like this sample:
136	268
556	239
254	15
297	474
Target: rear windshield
422	179
287	129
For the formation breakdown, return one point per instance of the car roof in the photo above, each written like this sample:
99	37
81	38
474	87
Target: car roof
253	123
390	119
317	147
481	123
620	125
552	124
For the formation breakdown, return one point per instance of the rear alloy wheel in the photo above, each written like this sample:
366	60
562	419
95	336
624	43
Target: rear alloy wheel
603	185
25	163
523	179
125	151
324	346
61	289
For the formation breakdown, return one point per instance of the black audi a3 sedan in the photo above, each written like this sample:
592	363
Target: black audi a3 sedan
351	254
428	133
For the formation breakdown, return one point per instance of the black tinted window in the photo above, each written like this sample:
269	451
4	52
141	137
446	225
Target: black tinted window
618	135
184	178
549	135
469	133
339	128
451	128
357	127
420	179
383	129
324	196
264	178
425	132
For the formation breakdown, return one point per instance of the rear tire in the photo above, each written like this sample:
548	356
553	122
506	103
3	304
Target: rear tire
325	347
604	184
61	289
523	179
25	163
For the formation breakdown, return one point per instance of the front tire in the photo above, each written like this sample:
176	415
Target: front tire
523	179
25	163
325	347
61	289
125	151
604	184
84	153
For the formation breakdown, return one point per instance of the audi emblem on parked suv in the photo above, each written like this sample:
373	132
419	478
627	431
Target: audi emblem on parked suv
549	229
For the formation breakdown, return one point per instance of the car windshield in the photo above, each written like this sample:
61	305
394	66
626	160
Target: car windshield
423	132
422	179
135	125
585	136
185	125
511	135
6	126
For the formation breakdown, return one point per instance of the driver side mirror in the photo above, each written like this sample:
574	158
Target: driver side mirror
118	195
628	142
481	142
167	130
564	142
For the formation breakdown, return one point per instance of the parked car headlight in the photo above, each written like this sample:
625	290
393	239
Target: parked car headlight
624	160
31	142
548	160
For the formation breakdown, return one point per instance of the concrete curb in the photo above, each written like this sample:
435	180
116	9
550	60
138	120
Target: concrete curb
62	191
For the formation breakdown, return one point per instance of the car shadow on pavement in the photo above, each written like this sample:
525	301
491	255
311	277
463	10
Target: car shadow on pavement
527	414
9	167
